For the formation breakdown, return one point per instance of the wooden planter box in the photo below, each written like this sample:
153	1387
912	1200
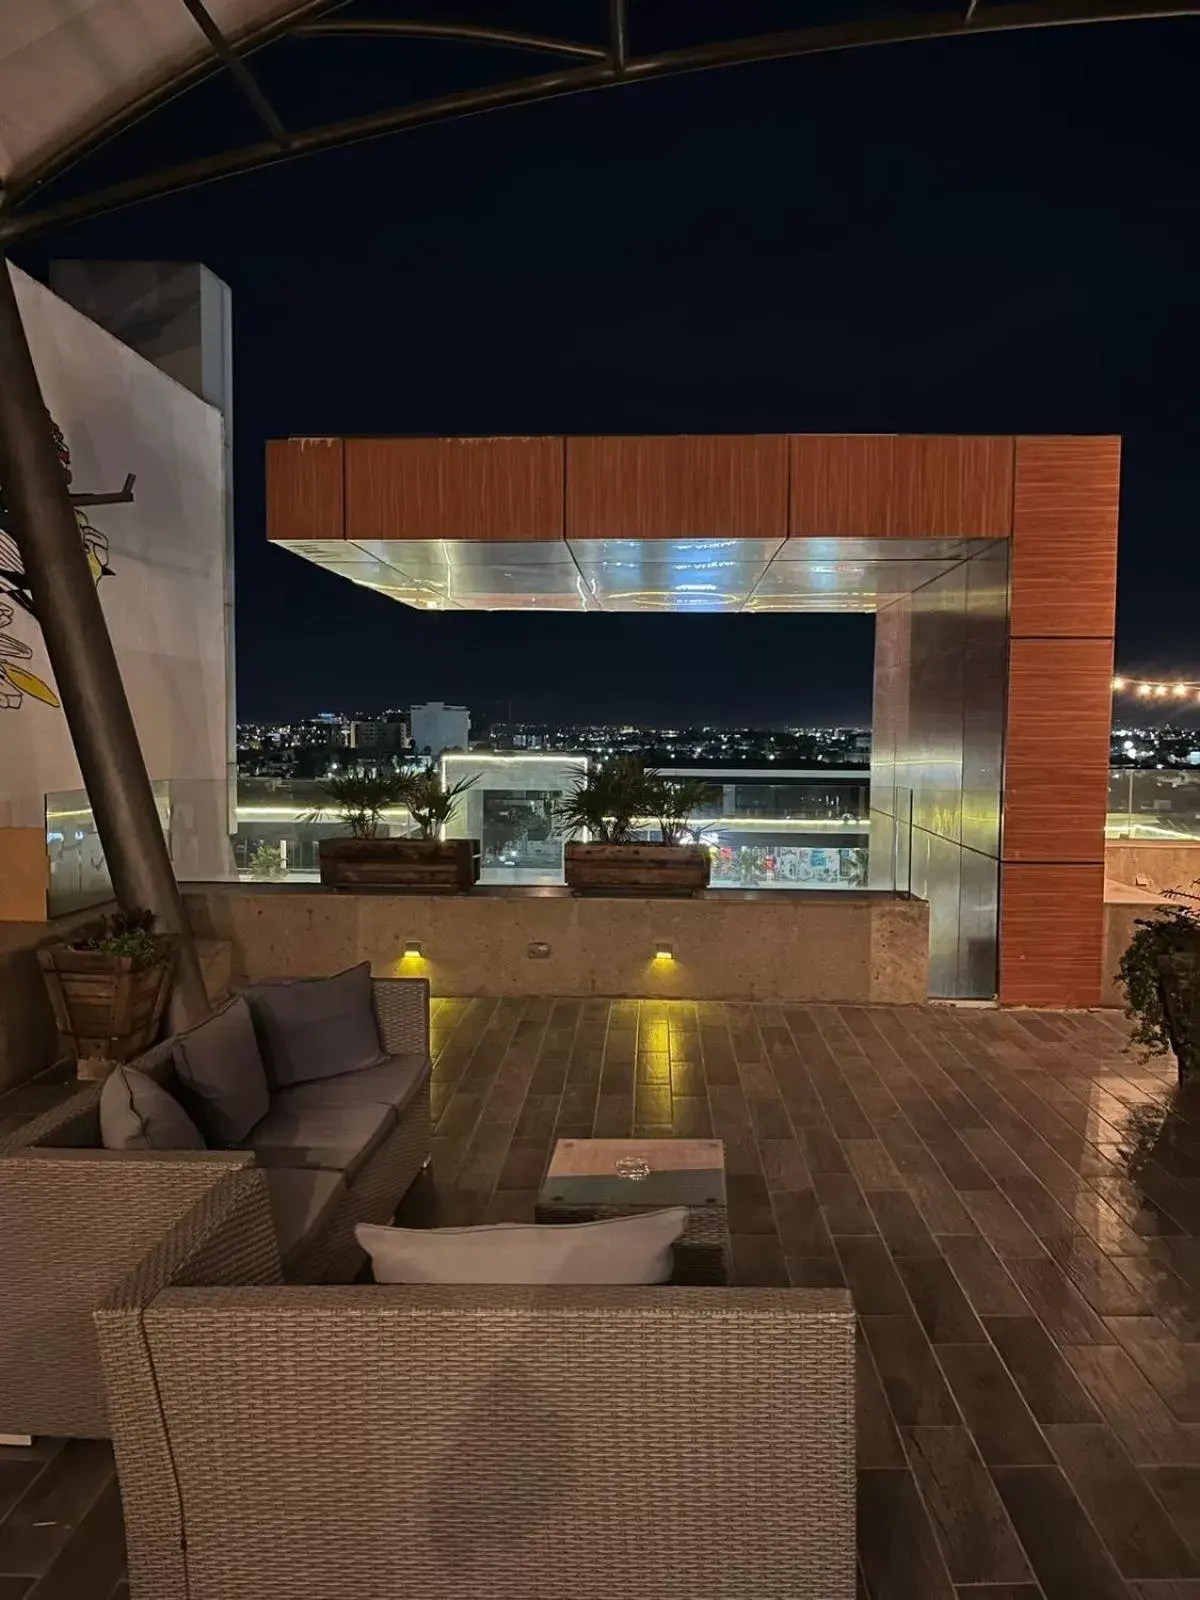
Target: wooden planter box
401	866
647	869
103	1005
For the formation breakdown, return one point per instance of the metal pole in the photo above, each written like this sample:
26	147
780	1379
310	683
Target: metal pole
618	32
85	667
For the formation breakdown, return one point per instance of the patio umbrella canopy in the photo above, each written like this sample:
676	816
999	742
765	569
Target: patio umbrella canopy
75	72
70	69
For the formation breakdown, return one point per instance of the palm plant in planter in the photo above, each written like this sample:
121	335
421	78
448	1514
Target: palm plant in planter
361	798
433	804
673	802
605	805
108	987
1160	973
423	864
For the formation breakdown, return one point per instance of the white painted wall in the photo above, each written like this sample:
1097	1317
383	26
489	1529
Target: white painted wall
164	601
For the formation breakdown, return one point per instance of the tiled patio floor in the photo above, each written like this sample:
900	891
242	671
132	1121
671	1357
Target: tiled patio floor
1013	1200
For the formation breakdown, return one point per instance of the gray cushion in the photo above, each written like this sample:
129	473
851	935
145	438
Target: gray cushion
302	1203
394	1082
339	1138
138	1114
633	1249
317	1027
221	1075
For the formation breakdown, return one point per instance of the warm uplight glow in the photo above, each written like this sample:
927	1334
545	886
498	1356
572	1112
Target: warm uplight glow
1118	684
1181	690
654	1035
1161	691
412	964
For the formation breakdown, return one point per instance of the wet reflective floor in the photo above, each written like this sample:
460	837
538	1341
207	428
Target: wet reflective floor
1011	1197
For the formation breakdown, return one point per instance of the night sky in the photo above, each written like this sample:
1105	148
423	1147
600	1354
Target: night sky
988	235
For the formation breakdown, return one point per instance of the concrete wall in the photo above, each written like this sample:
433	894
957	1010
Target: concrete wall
28	1037
1161	866
165	598
1122	908
843	946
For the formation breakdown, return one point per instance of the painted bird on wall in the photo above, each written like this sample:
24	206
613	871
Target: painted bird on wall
16	681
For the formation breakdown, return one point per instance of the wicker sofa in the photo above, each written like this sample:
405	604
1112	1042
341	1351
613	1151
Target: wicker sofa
295	1443
75	1219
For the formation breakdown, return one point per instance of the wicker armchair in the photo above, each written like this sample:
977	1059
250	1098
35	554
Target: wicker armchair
75	1220
569	1444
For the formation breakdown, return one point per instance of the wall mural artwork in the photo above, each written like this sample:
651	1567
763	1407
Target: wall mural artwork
16	680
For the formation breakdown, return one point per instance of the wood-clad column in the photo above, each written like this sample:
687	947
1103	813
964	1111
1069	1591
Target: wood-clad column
1063	602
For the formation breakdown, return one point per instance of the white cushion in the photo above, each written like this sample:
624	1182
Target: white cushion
633	1249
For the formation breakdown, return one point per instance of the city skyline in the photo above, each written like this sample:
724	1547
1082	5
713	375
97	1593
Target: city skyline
1167	743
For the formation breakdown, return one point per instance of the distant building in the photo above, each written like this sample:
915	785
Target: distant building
437	727
380	736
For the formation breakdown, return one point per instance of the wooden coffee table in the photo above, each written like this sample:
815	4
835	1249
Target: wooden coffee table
590	1179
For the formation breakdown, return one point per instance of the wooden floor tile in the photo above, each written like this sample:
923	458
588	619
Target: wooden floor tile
968	1518
1126	1513
1012	1201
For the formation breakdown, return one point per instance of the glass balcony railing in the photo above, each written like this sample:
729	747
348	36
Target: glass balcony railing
811	831
1163	806
280	825
78	871
789	833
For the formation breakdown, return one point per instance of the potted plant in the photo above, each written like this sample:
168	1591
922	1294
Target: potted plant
265	863
1160	973
421	864
108	987
605	807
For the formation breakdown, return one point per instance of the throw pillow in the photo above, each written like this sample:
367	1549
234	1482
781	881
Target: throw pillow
317	1027
221	1073
138	1114
633	1249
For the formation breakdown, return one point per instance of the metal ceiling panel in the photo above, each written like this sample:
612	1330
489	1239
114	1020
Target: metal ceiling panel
677	575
